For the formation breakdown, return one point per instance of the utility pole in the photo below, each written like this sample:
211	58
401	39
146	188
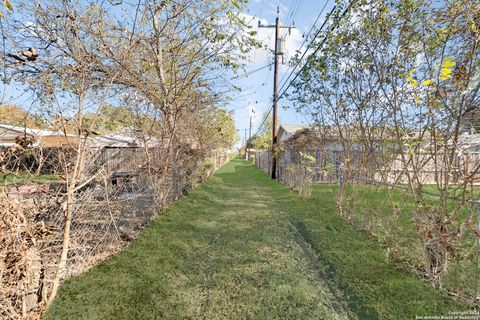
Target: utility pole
250	133
246	143
277	53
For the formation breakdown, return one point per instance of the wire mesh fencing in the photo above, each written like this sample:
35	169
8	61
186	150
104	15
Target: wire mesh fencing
431	233
108	211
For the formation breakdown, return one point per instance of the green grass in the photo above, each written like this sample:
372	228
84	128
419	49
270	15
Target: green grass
23	178
242	246
389	216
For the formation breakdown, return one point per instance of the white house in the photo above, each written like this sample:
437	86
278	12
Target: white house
286	131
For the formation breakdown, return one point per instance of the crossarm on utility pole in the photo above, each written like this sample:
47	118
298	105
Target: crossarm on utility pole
277	54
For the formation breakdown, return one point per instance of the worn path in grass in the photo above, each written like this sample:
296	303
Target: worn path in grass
244	247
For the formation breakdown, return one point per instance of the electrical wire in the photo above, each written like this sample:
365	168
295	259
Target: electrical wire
296	4
308	47
307	37
294	8
260	127
306	50
246	74
332	28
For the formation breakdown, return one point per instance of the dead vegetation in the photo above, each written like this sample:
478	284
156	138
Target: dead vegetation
93	68
105	217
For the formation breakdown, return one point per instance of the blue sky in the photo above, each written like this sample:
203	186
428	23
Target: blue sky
257	89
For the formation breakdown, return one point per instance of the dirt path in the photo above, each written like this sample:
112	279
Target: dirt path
226	251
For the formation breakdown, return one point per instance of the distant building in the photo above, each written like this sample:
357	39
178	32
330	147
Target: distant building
325	146
122	151
128	137
471	121
123	155
373	160
13	135
286	131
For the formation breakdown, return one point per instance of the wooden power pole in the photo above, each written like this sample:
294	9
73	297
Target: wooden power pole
250	133
246	156
278	51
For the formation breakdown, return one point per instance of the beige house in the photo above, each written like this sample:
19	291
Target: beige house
376	162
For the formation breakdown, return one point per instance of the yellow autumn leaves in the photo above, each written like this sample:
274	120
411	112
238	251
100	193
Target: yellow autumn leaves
446	69
412	81
427	82
7	4
445	73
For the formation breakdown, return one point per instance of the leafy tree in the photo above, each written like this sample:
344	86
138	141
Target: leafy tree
216	129
165	59
8	5
109	119
401	77
16	116
263	139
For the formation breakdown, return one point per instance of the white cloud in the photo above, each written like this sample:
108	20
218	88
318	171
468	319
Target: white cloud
272	9
266	36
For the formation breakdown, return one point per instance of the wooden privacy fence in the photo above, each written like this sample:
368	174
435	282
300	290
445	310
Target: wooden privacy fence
263	160
329	167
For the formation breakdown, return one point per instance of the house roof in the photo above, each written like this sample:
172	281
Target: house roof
125	138
292	128
303	135
466	140
9	135
285	131
30	132
315	134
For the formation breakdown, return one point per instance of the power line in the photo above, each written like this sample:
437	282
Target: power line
293	6
308	47
314	24
296	4
306	50
332	28
246	74
264	119
246	94
306	38
249	103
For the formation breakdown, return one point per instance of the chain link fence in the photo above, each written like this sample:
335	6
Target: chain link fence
108	211
447	253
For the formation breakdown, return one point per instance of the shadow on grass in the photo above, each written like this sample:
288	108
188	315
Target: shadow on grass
244	246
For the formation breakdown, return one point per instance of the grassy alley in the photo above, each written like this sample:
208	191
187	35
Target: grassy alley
242	246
